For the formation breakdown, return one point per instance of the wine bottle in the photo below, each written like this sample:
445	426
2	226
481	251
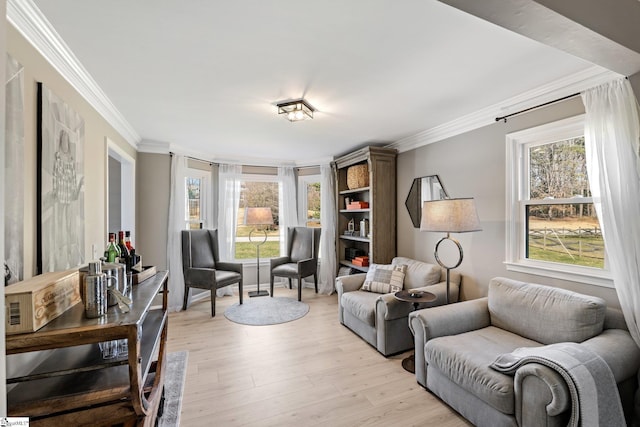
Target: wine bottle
124	252
127	240
112	253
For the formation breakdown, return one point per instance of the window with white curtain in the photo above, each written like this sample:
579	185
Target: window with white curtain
552	227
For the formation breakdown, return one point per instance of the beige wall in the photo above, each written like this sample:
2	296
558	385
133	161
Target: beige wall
153	185
474	165
37	69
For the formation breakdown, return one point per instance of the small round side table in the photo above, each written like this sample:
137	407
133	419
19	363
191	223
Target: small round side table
415	297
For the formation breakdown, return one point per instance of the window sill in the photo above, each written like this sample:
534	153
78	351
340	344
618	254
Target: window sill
580	275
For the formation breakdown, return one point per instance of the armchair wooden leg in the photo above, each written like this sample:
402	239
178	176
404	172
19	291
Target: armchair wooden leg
185	303
271	286
213	302
315	281
240	290
299	288
290	285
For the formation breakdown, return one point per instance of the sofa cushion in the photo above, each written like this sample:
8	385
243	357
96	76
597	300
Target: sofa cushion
543	313
384	279
418	273
465	359
361	305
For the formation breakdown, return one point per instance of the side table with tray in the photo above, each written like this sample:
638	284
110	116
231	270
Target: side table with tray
416	298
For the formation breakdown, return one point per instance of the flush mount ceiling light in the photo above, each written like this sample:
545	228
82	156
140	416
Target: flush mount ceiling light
295	111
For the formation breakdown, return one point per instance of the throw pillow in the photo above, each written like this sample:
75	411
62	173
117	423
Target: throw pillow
384	279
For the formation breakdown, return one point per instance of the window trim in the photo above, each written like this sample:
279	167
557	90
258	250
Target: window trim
516	187
303	182
204	177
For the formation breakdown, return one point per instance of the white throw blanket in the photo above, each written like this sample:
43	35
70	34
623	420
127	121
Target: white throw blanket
594	393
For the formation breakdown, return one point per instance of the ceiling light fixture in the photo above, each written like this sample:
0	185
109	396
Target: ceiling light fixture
295	111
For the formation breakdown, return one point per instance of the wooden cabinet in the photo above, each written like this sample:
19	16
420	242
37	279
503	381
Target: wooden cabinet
380	242
75	385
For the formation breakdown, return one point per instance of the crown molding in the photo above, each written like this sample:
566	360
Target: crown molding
565	86
25	16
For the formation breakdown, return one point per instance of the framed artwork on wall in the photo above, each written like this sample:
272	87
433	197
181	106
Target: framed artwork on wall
14	173
60	183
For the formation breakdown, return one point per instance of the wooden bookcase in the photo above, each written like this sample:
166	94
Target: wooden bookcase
75	385
380	243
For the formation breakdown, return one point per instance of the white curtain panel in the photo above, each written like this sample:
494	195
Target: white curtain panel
328	261
288	207
229	178
175	226
612	142
210	220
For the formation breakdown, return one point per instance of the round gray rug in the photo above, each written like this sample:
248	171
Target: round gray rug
267	310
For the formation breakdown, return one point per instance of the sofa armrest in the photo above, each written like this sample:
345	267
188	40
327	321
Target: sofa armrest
541	396
445	320
349	283
618	350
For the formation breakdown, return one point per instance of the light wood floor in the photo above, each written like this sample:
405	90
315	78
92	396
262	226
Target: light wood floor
310	372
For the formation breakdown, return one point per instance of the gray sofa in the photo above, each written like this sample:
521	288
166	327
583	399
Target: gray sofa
382	320
456	344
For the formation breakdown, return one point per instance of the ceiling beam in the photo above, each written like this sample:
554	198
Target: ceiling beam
602	32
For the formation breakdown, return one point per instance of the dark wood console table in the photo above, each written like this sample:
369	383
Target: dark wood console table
75	385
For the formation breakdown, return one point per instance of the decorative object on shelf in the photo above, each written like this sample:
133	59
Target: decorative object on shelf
34	302
358	205
296	111
60	209
364	227
358	176
450	216
95	291
258	217
351	227
422	190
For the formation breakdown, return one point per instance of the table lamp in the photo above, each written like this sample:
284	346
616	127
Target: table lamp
258	217
449	216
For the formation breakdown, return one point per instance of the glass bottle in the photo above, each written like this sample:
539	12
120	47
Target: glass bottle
124	252
113	251
127	240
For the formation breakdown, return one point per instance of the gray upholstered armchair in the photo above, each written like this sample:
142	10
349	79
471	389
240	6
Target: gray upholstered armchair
457	344
302	258
201	267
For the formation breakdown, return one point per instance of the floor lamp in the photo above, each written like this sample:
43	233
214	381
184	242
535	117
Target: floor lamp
258	217
449	216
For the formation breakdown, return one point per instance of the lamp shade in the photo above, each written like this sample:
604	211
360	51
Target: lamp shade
450	216
258	216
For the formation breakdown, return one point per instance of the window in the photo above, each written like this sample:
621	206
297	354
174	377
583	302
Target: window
258	192
309	200
552	227
193	209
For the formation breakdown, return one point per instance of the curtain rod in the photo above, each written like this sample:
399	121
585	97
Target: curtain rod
535	107
171	153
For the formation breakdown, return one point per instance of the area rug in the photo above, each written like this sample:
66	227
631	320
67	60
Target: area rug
260	311
173	388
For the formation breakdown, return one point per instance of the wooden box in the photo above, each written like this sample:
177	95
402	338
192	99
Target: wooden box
147	271
34	302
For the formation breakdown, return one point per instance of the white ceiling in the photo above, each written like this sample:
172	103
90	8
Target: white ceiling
205	75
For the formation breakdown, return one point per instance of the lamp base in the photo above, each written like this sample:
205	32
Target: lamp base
262	293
